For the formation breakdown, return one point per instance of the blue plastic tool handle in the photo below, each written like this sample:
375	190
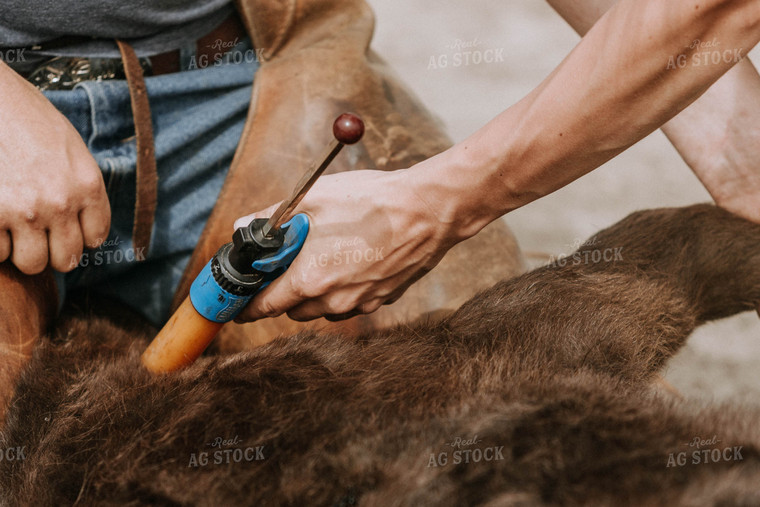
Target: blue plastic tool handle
296	229
218	305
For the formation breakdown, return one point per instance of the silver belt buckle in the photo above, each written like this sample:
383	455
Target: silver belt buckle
64	73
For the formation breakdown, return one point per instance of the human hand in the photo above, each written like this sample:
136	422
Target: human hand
371	236
52	196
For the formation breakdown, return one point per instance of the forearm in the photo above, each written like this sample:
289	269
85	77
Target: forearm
727	112
612	90
716	135
581	14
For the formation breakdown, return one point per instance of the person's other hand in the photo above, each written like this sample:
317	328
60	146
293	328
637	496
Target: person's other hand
52	196
370	237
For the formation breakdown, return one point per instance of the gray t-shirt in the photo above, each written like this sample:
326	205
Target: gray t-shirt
151	26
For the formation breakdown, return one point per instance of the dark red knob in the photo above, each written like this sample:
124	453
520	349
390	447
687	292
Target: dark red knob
348	128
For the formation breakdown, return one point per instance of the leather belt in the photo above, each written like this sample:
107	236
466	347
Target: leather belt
63	73
208	48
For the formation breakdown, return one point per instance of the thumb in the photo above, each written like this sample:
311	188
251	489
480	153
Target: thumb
276	299
265	213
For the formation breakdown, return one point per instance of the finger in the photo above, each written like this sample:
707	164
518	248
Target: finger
394	297
5	245
30	250
314	309
371	306
65	245
95	220
341	316
265	213
362	309
273	301
307	311
332	308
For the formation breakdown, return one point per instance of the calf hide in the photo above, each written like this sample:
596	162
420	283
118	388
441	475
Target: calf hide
535	392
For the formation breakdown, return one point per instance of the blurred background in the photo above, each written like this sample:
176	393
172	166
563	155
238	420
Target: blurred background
419	39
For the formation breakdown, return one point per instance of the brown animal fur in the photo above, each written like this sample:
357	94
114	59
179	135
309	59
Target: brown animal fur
555	366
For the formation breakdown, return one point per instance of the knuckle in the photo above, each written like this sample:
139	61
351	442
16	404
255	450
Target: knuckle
298	290
303	288
59	205
28	215
394	296
91	184
267	309
337	306
372	306
313	285
24	211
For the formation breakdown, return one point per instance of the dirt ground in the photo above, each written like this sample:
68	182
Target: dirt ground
526	39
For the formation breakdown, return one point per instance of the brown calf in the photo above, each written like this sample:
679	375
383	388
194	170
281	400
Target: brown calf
536	391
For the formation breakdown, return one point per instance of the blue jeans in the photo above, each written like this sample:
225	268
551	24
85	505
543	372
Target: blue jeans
198	118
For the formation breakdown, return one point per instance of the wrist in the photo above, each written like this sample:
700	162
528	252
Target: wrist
716	138
460	188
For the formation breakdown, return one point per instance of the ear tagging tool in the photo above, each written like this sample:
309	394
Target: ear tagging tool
258	254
